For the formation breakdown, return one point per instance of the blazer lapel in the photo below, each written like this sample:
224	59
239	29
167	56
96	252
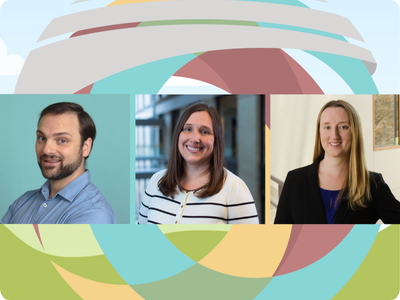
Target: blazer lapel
314	196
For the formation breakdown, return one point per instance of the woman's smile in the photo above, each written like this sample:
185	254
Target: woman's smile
193	149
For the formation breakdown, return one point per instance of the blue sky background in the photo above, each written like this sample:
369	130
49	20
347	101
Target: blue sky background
22	22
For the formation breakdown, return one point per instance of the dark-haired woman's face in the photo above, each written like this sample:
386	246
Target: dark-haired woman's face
196	140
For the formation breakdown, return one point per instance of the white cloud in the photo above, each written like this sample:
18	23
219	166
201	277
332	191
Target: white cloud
11	64
1	297
1	2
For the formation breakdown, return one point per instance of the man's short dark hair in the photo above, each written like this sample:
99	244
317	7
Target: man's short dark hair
87	128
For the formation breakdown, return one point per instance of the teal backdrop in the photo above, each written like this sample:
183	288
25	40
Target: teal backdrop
109	161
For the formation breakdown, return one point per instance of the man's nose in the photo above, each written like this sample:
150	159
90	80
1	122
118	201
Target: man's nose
48	148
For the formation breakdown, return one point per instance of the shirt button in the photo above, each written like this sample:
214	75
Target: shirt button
44	204
181	206
176	222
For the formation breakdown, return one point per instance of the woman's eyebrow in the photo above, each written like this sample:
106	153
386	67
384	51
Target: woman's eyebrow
347	122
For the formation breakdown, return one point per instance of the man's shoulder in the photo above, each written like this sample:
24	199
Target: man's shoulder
90	203
28	195
90	193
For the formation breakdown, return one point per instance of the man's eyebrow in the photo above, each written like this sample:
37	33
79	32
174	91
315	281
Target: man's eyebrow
55	134
62	133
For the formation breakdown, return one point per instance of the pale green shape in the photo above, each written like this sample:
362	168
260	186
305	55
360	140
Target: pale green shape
199	53
27	234
201	283
59	240
196	244
198	21
199	227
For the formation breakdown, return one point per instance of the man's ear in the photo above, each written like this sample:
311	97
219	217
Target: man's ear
87	147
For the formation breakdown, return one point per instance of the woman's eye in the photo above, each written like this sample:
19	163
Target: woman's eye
187	129
205	132
326	127
344	127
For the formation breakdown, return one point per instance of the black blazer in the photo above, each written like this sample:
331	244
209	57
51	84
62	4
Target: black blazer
301	201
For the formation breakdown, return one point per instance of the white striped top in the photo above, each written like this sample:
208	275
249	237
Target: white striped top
232	205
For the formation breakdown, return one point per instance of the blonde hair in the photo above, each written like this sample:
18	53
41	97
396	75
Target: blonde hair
357	182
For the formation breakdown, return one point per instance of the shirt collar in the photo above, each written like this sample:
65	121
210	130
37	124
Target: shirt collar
71	190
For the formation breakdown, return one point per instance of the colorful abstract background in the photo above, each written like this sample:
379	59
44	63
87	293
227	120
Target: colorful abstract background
192	47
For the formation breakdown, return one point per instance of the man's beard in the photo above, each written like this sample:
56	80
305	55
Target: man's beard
61	171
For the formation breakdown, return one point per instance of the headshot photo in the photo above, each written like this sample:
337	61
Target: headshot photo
199	159
66	160
328	162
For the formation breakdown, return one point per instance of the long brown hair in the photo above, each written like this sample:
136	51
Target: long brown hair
357	182
175	171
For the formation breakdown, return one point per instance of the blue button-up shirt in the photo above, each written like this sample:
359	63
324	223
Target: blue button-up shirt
80	202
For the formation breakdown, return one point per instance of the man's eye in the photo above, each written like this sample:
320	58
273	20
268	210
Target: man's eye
63	141
41	138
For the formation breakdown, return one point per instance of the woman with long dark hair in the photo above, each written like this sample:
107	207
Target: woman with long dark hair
196	188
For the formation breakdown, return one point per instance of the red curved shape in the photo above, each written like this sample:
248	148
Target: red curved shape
36	227
85	90
105	28
251	71
302	249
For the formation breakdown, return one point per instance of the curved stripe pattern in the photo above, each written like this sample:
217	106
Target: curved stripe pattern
58	62
189	10
338	266
136	252
150	78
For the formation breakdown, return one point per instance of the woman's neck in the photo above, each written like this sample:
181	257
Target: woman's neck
195	176
335	165
332	173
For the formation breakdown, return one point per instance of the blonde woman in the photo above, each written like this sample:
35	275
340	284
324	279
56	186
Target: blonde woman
337	187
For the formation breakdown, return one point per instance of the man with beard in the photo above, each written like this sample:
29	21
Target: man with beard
64	140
